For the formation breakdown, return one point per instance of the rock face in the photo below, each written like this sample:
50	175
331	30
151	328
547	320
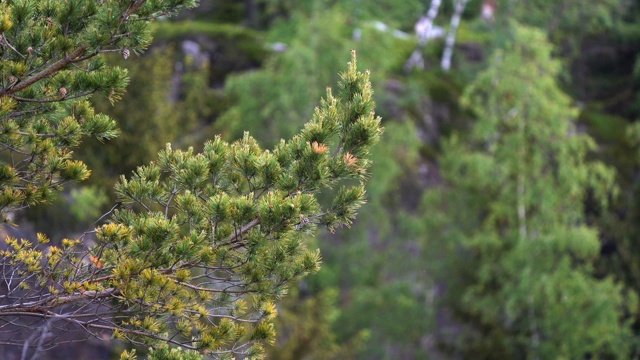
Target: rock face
192	49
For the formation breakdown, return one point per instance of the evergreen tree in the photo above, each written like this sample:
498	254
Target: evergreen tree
507	230
161	106
567	22
50	63
273	101
305	326
148	117
201	244
371	267
377	265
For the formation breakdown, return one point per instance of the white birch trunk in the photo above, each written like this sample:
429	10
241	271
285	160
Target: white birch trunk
423	28
451	35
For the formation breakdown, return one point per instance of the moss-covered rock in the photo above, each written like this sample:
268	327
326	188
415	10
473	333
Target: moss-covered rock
230	47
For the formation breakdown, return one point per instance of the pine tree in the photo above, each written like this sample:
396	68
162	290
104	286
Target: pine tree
371	266
273	101
146	120
200	245
51	62
509	224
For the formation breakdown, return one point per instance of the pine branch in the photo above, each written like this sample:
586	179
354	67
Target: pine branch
55	67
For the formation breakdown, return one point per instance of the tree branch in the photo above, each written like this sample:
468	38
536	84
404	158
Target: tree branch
68	59
53	301
231	238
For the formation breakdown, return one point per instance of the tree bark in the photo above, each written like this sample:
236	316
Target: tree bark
451	35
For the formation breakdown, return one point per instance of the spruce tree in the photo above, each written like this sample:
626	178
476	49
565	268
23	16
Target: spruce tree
515	252
200	245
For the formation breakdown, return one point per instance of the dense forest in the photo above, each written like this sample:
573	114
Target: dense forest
502	215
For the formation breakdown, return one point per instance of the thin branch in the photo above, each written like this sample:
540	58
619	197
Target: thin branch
18	114
65	98
43	335
4	38
53	301
233	237
223	291
139	333
166	209
38	135
107	213
44	73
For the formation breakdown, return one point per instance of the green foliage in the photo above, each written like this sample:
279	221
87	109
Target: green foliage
510	229
50	63
272	102
374	266
567	22
305	328
86	203
161	105
473	285
149	118
206	242
396	14
174	30
233	47
401	14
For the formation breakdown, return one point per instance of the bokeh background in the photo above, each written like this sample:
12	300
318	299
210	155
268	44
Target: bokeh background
536	111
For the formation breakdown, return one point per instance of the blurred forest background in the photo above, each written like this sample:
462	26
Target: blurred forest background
503	215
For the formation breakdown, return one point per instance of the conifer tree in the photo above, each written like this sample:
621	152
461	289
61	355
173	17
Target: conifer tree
200	245
50	63
273	101
508	227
